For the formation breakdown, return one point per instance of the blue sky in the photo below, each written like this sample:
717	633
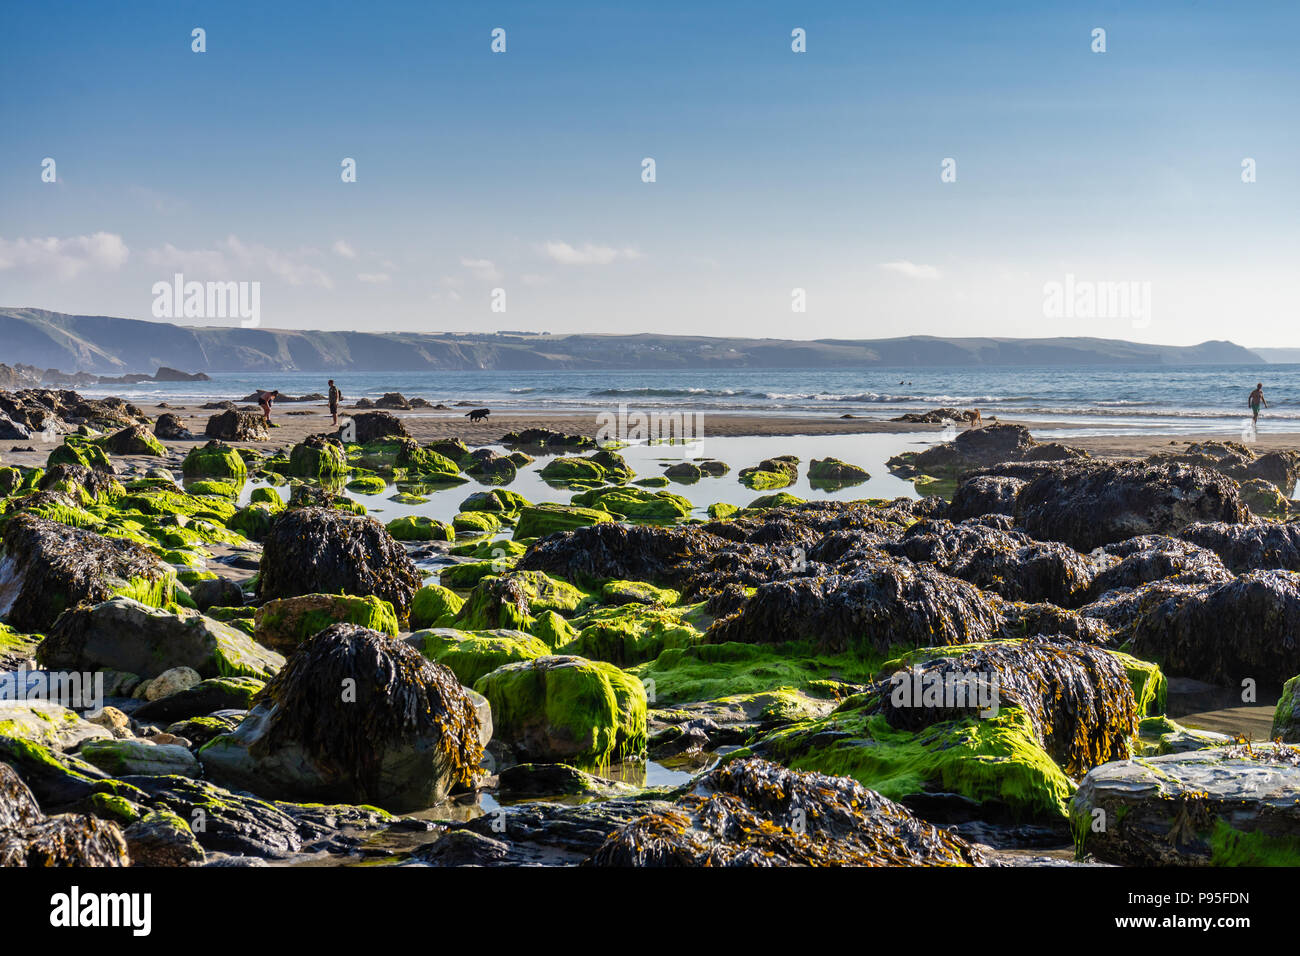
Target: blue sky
775	170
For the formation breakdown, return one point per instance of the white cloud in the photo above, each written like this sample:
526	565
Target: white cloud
232	258
373	277
341	248
484	269
588	255
911	269
64	258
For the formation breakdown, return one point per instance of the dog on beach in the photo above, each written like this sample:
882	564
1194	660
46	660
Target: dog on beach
479	414
975	420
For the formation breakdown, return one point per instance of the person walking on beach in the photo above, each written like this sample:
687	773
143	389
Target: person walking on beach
1256	399
335	395
265	399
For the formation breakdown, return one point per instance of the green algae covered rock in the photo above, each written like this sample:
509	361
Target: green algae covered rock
317	457
285	623
426	463
991	761
476	522
771	473
553	629
10	479
471	654
367	485
569	469
267	495
122	758
420	528
124	635
781	499
834	470
630	502
638	592
466	575
49	724
538	521
216	459
721	510
434	606
567	709
216	489
1286	718
407	732
512	599
73	452
655	481
47	568
631	634
133	440
506	504
254	520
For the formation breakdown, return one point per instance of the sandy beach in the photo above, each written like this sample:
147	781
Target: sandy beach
294	422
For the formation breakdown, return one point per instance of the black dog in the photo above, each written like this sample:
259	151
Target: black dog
478	414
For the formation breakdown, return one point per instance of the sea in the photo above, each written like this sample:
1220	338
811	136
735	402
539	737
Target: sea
1079	400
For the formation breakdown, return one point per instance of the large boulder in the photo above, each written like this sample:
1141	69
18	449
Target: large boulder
215	459
879	605
1235	460
1286	716
471	654
373	426
355	717
1259	545
985	495
170	427
134	440
752	812
285	623
323	550
317	457
124	635
46	723
1223	633
1136	561
47	567
232	425
1090	504
538	521
567	709
1225	806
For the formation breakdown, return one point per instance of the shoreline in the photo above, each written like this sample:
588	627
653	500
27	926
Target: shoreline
297	420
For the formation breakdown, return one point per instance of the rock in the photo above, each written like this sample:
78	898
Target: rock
214	460
123	634
1263	498
122	758
393	400
134	440
18	807
374	426
936	416
285	623
205	697
463	848
410	734
567	709
506	504
162	838
1223	633
555	780
881	604
114	721
511	599
232	425
435	606
1235	460
425	463
546	438
1259	545
754	813
573	469
1226	806
539	521
216	592
321	550
684	471
771	473
1140	560
491	468
984	495
631	634
471	654
71	840
170	427
628	502
1286	717
476	522
1090	504
317	457
47	567
834	470
58	780
49	724
171	682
